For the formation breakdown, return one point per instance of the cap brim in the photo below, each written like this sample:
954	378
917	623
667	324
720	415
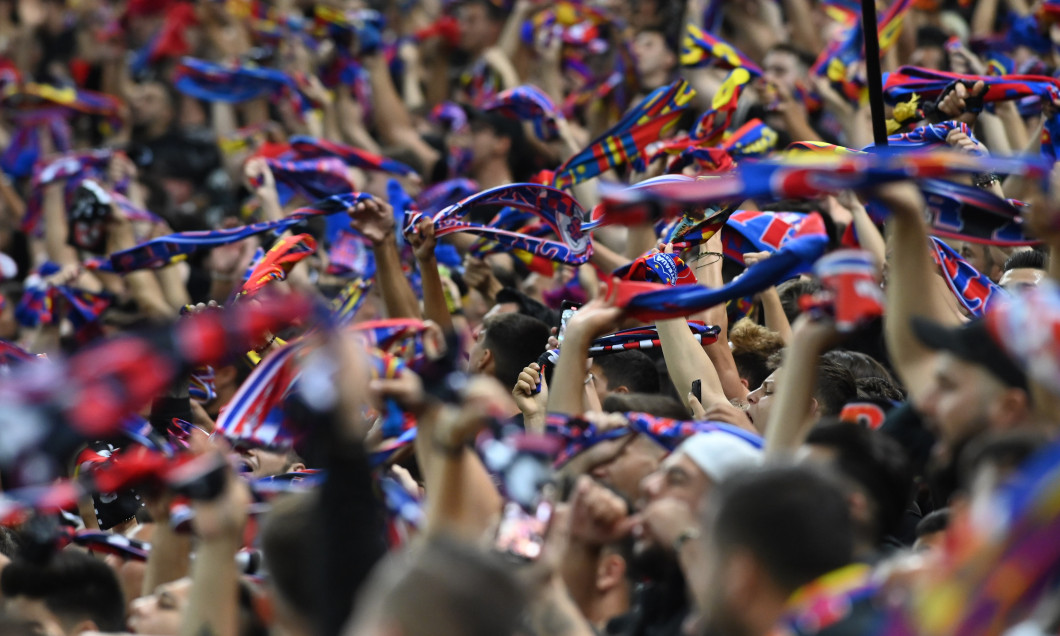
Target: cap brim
935	336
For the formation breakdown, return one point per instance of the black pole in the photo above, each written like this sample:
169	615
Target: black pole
873	74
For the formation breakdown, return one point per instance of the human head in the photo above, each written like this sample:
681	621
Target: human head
752	345
975	386
159	613
930	49
690	474
497	139
986	259
624	372
286	550
655	56
70	593
785	65
257	461
1025	268
791	291
505	344
861	365
621	464
480	23
456	590
876	472
153	104
767	533
931	531
834	386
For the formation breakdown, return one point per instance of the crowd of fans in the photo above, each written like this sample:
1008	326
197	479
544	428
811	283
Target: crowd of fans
283	350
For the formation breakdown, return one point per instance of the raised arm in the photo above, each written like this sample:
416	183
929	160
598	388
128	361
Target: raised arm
909	291
375	220
594	319
434	306
392	118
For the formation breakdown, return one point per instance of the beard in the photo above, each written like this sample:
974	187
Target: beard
653	562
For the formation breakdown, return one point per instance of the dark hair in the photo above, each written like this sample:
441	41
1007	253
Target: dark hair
931	36
790	291
861	365
1006	451
668	36
806	58
1026	259
495	9
878	389
73	585
528	306
875	462
285	548
835	386
515	341
657	405
455	588
935	522
632	369
795	520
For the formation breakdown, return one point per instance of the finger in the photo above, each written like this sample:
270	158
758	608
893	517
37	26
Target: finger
979	88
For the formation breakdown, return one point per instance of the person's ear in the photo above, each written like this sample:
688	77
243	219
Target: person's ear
815	407
504	145
485	362
745	384
860	508
296	467
610	572
621	389
1011	408
742	578
86	625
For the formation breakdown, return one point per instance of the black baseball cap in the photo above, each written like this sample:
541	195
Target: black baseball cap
973	343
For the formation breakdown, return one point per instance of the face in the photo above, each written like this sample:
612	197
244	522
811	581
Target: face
476	30
486	147
258	462
1020	278
160	613
760	402
932	57
651	54
629	461
150	103
782	68
476	360
984	258
677	477
958	402
33	611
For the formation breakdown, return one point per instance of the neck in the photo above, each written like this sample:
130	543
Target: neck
763	614
157	128
607	606
654	80
492	174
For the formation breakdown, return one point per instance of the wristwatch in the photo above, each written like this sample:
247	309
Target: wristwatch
986	179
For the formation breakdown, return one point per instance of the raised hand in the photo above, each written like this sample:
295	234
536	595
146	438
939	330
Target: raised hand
374	219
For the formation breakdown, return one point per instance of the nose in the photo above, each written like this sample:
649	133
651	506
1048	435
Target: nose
139	606
650	486
752	397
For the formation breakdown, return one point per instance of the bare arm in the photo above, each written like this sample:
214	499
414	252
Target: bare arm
392	119
791	417
434	306
55	228
567	392
375	220
720	353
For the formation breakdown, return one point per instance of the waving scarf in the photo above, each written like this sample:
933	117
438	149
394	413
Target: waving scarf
624	141
900	85
754	231
527	103
40	302
556	209
256	412
667	269
71	167
973	290
1026	327
521	222
345	305
236	84
651	301
851	294
703	49
311	148
837	61
925	137
312	179
278	262
164	250
648	338
969	213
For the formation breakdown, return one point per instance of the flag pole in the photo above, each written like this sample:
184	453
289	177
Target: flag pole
873	74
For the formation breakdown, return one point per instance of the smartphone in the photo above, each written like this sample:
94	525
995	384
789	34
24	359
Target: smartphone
697	390
567	312
523	534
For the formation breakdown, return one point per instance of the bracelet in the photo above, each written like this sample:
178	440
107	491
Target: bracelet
986	179
686	535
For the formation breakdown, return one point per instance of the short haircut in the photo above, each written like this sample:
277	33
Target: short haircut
286	548
790	291
453	589
1027	259
878	389
495	10
632	369
1006	451
752	344
875	462
835	386
657	405
73	585
935	522
861	365
515	341
795	520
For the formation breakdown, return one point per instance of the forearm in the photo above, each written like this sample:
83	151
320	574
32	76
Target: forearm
556	614
567	388
686	361
804	32
464	502
389	112
398	297
213	605
773	313
434	306
169	559
607	259
869	237
983	17
171	280
789	418
55	229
